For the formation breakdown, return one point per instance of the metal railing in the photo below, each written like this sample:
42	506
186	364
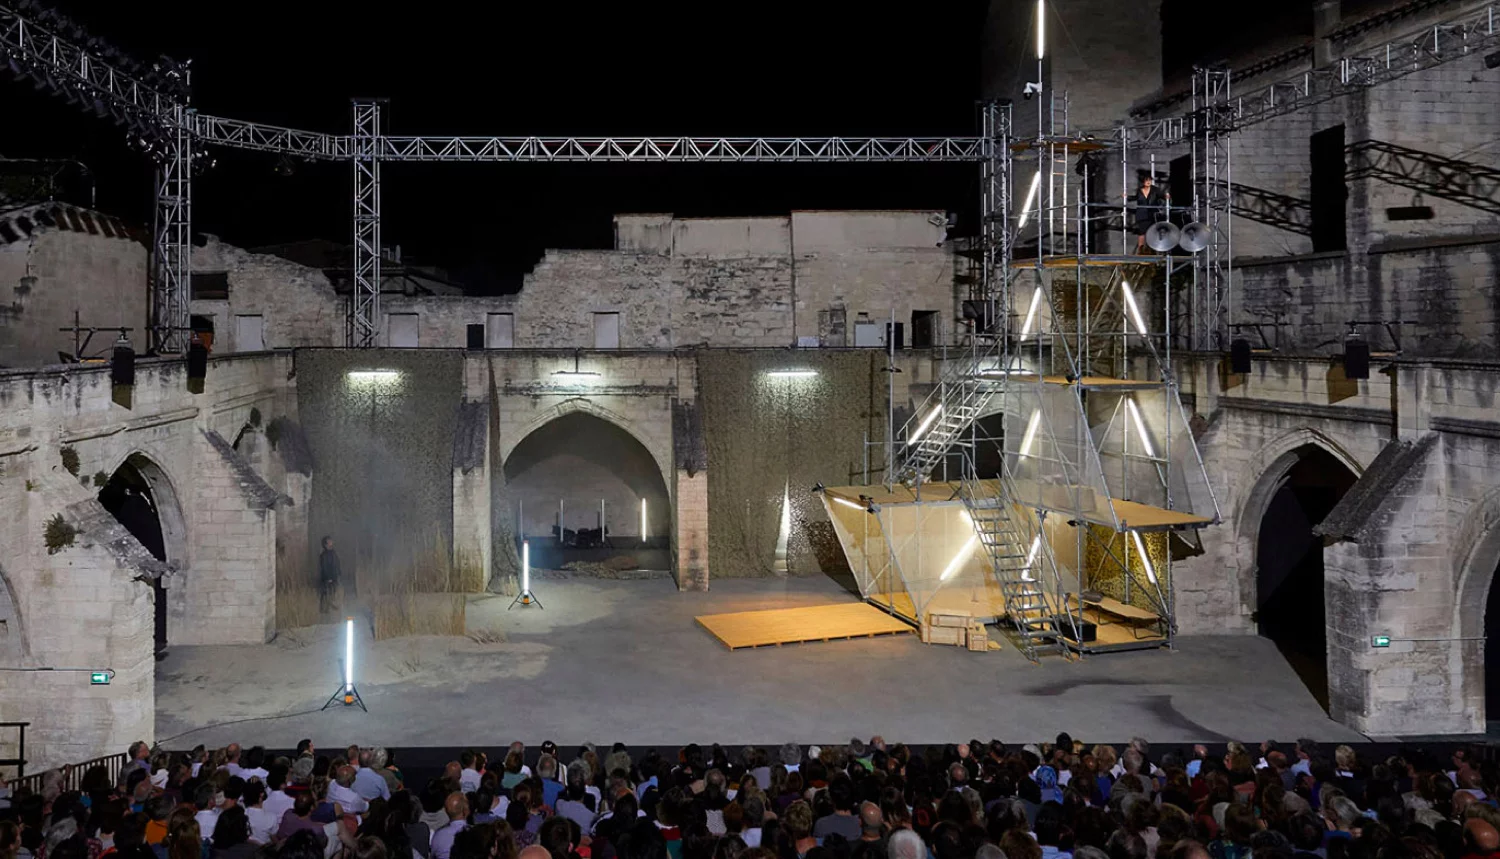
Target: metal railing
72	774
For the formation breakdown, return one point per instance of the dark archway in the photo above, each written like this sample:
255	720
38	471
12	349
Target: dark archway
1492	650
1290	608
580	460
141	499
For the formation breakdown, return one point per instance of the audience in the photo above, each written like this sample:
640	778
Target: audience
867	800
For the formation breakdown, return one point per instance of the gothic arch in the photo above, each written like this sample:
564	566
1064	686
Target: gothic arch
1271	463
587	406
1476	560
13	643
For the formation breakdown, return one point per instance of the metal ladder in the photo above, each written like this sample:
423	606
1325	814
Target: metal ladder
1017	569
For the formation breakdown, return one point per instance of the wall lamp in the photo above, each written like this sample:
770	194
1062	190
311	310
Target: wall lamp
791	374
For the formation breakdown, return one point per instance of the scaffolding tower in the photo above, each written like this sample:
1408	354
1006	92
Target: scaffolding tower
1070	541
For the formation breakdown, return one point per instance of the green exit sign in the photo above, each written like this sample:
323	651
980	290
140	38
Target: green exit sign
99	678
1380	641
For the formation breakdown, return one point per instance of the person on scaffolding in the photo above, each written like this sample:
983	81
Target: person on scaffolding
1150	207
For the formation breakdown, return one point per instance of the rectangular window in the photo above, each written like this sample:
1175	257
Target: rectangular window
210	285
402	330
249	334
606	330
868	334
924	329
500	331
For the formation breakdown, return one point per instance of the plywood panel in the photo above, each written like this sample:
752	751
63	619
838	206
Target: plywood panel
797	625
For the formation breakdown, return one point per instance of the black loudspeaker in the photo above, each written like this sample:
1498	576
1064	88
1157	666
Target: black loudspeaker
476	336
1239	355
122	365
898	337
1356	359
197	361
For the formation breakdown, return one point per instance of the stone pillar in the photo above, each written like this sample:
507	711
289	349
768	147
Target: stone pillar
691	536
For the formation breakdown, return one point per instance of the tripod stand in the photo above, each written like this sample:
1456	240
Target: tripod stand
348	695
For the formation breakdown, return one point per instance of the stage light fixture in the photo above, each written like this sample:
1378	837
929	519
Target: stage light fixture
1140	427
958	560
792	374
925	424
1036	303
525	566
1041	28
643	520
1036	182
348	660
1031	427
847	503
1036	546
1135	310
1140	546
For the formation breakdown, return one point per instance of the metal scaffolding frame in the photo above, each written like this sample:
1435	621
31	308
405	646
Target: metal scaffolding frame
171	278
364	299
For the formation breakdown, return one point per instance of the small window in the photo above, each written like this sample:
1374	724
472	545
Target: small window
924	329
606	330
249	334
500	331
401	332
210	285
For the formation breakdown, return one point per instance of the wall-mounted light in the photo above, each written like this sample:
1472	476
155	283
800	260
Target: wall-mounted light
576	373
373	377
791	374
1140	427
925	424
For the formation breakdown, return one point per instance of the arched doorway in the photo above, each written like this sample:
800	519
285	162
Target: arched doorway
141	498
1290	608
557	477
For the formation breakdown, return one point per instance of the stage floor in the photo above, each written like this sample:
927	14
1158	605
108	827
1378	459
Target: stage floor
624	661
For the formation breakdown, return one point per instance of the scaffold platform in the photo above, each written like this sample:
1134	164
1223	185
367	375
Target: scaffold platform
736	630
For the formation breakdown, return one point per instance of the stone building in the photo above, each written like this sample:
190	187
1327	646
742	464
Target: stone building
1352	508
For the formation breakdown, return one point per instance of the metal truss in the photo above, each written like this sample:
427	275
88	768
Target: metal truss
29	47
1212	205
1465	182
1454	39
995	238
270	138
171	280
686	149
364	301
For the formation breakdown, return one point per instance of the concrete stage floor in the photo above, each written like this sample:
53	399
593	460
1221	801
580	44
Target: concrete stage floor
623	661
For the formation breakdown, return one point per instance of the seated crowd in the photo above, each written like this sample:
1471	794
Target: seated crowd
866	800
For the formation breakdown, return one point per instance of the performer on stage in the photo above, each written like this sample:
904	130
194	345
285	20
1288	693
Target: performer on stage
328	575
1150	203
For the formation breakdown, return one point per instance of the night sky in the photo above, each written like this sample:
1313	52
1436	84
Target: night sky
564	69
830	68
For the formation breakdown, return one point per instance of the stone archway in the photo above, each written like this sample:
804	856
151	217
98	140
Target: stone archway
142	498
581	458
13	644
1302	480
1477	608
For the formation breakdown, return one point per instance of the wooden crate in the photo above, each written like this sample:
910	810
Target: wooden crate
950	635
950	618
979	638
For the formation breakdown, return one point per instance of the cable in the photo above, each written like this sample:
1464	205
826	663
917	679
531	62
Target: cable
237	722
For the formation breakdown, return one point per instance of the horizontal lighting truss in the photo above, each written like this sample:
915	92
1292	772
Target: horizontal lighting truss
1453	39
772	150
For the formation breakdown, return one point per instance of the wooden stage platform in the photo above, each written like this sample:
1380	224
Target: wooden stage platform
799	625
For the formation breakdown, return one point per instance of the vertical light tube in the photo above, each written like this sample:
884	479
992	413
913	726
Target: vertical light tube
1031	427
1036	303
1140	427
1036	545
348	655
643	520
525	567
1036	182
1135	311
1041	28
1140	546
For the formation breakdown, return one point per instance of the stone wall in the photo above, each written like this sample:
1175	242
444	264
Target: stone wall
297	304
89	604
45	277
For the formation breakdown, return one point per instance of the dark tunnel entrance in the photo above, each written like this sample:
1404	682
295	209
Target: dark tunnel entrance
1289	563
134	495
557	478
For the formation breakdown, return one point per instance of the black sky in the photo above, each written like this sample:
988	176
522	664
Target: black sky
464	68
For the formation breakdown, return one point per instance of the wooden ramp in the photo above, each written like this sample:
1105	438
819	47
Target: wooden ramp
798	625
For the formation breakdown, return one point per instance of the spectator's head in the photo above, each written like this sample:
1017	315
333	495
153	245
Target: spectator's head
303	804
303	844
370	847
456	806
232	753
345	776
232	827
797	821
546	767
138	751
304	747
906	844
791	755
204	797
841	792
871	821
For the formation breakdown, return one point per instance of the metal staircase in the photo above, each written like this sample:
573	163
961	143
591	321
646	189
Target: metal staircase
961	396
1021	567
